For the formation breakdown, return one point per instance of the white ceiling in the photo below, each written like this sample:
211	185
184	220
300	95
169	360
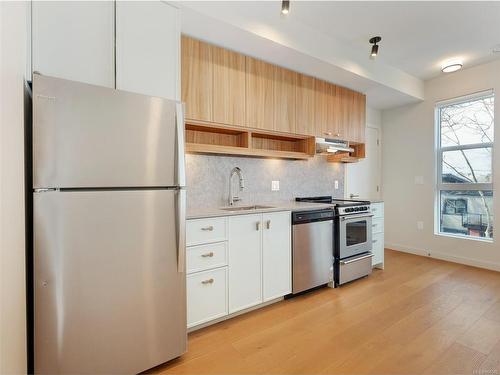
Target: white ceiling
329	39
417	36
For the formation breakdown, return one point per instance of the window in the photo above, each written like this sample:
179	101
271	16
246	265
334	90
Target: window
464	163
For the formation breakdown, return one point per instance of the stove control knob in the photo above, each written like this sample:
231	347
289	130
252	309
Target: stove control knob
356	208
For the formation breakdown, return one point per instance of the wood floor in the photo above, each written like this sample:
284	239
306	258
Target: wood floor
418	316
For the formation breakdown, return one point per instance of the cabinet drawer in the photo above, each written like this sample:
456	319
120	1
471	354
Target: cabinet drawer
205	257
378	248
378	225
377	210
200	231
206	296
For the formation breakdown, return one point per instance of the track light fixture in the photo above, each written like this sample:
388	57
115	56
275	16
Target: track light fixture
374	41
285	6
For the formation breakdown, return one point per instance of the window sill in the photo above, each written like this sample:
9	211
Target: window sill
462	237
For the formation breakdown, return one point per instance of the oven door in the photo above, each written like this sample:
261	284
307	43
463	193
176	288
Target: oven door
355	235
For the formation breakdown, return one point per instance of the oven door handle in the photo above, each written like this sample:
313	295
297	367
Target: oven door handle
344	262
343	218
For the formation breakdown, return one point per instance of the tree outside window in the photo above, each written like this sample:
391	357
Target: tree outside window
465	154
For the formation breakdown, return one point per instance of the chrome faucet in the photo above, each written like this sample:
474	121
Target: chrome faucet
232	199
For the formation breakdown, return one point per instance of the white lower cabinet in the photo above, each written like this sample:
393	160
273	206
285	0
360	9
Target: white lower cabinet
276	255
245	261
250	266
378	234
206	296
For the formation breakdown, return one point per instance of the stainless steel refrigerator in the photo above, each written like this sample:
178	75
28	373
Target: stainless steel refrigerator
108	229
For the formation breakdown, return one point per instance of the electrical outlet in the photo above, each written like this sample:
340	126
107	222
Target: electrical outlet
420	225
336	184
275	185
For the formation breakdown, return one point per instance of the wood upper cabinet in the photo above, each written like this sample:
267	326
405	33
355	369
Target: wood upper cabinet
320	107
305	105
351	115
284	100
260	86
228	87
197	78
333	127
326	110
358	124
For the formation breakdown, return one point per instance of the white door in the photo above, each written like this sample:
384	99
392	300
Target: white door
245	259
147	48
363	178
276	255
74	40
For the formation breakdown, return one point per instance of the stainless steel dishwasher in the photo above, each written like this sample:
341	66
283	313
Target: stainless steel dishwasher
312	249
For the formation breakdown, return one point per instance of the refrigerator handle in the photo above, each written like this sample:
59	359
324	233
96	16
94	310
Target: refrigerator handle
180	226
180	162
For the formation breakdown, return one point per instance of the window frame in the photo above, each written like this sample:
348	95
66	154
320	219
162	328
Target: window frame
439	184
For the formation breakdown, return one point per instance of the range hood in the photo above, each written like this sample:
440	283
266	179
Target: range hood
327	146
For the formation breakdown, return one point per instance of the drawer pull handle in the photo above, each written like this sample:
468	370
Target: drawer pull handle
209	281
257	225
268	224
374	241
209	228
209	255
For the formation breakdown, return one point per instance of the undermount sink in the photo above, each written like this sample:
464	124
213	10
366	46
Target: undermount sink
246	208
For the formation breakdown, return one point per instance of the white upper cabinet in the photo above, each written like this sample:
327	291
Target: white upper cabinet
245	259
74	40
276	255
148	48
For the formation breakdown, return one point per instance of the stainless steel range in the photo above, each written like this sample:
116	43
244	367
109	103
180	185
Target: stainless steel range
352	238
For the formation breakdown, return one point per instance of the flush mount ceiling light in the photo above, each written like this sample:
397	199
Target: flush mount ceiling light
285	7
451	66
374	41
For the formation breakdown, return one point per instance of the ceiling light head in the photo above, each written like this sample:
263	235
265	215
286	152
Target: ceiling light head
374	41
451	66
285	7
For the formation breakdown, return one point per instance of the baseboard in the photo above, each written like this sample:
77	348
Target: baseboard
232	315
443	256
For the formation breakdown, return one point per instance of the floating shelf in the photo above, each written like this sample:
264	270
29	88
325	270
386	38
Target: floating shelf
349	157
211	138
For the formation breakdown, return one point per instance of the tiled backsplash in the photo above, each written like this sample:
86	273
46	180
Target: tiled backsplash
208	179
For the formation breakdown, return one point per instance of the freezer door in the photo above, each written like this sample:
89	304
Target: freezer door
109	293
92	136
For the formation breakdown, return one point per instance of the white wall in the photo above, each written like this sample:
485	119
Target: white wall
373	117
408	151
12	276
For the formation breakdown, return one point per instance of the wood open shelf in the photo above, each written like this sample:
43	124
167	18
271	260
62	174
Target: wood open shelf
211	138
349	157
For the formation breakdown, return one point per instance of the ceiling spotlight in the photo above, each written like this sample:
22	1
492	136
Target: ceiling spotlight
451	66
374	41
285	6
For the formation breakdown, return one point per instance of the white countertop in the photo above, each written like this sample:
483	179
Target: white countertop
275	206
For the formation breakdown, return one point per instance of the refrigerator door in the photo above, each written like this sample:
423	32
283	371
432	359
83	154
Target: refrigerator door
90	136
109	294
